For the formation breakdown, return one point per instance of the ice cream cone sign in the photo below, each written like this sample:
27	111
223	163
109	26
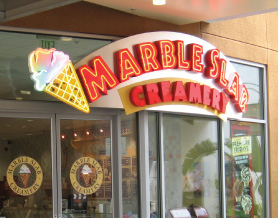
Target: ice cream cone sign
24	175
86	174
53	72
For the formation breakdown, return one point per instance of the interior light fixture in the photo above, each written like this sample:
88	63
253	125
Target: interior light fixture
66	38
25	92
159	2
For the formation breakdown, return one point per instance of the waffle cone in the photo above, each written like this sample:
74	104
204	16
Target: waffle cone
25	179
86	178
66	87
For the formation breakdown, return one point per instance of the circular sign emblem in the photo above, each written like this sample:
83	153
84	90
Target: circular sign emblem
86	175
24	176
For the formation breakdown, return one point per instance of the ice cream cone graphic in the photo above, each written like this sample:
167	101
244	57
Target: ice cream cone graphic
53	72
86	174
24	175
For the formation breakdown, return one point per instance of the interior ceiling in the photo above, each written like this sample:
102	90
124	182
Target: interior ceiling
175	11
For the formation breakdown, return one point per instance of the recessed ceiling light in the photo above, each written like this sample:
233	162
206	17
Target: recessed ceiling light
159	2
66	38
30	120
23	92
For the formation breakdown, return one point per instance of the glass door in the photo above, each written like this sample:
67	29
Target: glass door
27	163
84	157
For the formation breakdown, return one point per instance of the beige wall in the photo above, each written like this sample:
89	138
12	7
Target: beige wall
251	38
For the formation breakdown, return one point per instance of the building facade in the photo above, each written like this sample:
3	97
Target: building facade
167	160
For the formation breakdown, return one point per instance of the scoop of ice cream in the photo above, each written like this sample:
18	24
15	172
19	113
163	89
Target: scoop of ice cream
45	65
24	169
86	169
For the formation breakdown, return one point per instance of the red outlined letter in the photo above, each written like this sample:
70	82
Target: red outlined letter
195	52
212	69
221	80
166	50
147	53
180	53
135	98
127	65
97	79
244	98
233	87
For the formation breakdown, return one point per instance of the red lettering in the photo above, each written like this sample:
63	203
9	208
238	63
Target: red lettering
135	98
147	53
97	79
127	65
180	53
179	91
167	56
223	102
215	103
195	52
151	94
206	91
193	91
164	90
212	58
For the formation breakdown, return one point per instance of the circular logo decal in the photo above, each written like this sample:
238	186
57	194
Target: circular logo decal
86	175
24	176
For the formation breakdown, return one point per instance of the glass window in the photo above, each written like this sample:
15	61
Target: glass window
191	164
15	81
130	183
252	77
244	169
26	169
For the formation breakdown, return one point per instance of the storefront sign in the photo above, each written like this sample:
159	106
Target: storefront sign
24	176
211	80
86	175
53	72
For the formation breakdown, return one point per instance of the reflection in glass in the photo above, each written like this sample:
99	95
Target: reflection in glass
243	169
153	164
130	184
252	77
191	160
86	168
15	81
25	172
